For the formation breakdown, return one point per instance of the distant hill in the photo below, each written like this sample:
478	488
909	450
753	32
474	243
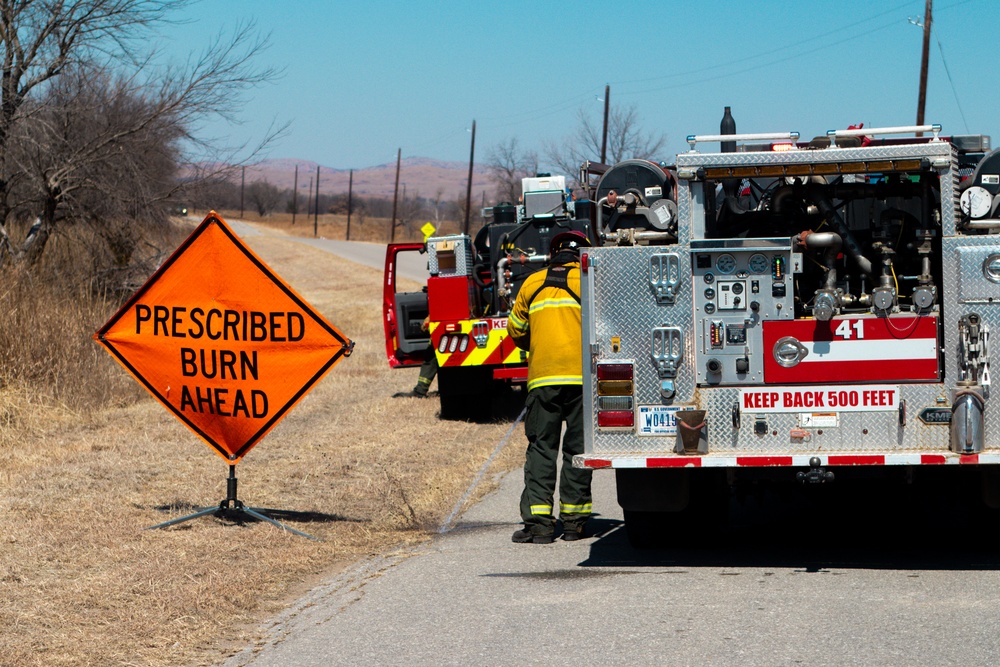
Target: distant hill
420	176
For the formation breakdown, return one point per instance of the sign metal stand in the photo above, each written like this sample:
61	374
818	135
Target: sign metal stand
232	508
225	345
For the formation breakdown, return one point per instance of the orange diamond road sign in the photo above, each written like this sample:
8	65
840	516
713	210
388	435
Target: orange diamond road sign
218	338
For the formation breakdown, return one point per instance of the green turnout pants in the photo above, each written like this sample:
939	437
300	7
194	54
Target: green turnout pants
548	408
427	372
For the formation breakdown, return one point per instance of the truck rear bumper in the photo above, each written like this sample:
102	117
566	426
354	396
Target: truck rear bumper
511	373
794	460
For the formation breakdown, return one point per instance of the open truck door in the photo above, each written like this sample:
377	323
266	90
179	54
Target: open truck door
406	343
470	288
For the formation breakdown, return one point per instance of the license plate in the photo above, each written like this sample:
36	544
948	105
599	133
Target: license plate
658	419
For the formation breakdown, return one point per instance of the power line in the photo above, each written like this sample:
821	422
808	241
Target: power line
953	89
752	68
772	51
921	22
532	114
440	140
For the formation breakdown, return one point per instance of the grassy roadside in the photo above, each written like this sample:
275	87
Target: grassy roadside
83	584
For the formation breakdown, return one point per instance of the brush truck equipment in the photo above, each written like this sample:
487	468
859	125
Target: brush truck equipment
470	289
790	310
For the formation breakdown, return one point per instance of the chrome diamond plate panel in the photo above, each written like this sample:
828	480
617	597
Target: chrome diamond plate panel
966	291
928	150
623	306
449	255
950	193
619	304
626	308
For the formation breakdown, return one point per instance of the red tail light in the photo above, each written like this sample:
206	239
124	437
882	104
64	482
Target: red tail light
615	371
616	419
615	395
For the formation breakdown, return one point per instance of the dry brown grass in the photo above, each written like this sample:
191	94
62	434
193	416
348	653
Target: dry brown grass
83	584
48	312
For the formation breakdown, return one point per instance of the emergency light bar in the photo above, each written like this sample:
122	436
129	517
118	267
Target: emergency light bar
903	129
693	139
814	169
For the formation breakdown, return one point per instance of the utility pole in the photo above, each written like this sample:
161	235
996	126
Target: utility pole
316	212
604	135
395	198
295	194
350	197
923	64
468	187
243	182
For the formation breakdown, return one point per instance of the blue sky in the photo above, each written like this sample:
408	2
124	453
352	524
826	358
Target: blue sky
363	78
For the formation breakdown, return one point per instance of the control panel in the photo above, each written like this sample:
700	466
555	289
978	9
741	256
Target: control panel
738	283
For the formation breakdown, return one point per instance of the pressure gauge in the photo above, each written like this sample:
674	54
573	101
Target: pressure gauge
758	263
976	202
726	264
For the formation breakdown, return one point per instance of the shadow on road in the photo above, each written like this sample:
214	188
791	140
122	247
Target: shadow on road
816	529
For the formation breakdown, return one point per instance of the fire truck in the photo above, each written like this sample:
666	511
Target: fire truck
470	289
791	310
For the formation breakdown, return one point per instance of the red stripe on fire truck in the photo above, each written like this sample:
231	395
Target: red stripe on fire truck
880	349
797	460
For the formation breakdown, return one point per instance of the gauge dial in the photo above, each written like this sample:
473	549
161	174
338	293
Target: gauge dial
976	202
726	264
758	263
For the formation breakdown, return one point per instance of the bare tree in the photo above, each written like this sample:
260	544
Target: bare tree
411	208
360	210
626	140
507	164
264	197
81	155
379	207
436	205
103	43
212	192
456	208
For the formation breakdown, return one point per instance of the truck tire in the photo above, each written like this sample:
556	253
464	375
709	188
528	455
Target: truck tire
648	530
466	393
694	527
692	516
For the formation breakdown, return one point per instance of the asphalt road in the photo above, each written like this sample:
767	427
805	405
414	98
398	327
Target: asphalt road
784	584
831	575
412	265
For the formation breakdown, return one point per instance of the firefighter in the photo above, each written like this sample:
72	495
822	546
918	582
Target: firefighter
427	370
546	321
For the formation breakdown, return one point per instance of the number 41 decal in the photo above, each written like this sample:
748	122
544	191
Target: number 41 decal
845	326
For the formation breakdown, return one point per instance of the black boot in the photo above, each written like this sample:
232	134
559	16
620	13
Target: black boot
416	392
525	536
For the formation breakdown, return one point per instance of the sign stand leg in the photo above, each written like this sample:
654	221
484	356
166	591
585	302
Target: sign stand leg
232	507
